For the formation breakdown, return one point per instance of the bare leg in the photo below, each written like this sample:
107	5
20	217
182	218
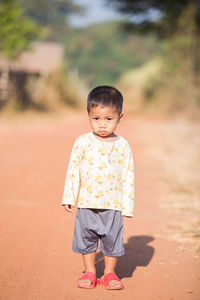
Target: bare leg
88	260
110	263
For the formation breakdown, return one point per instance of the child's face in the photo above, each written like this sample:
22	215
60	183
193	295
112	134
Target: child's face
104	120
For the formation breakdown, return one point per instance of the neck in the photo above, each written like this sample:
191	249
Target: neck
111	136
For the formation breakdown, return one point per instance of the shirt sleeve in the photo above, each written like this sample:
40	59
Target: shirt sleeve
128	187
72	179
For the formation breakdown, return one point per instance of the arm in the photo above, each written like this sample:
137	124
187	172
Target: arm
128	189
72	179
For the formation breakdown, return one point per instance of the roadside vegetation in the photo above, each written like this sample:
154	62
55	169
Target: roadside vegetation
101	53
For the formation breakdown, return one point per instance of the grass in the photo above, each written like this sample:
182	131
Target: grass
172	146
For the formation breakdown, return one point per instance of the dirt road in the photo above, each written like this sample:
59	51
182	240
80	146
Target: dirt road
36	233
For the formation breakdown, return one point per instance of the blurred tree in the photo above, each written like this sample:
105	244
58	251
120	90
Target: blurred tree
160	16
51	14
100	62
16	30
178	23
16	33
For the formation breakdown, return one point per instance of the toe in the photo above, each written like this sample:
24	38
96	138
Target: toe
84	282
115	284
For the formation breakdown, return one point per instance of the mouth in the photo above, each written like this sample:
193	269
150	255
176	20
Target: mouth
102	132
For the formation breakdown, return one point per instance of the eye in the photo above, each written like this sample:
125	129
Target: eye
96	118
109	119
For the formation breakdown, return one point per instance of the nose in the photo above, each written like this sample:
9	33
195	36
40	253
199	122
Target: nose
102	124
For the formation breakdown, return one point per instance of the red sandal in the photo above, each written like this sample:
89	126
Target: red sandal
107	278
90	276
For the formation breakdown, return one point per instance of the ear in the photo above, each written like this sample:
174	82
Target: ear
120	117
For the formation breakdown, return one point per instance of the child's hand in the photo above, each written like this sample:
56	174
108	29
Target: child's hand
69	207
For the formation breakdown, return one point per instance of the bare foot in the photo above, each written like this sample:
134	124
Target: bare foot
111	281
114	283
87	280
84	282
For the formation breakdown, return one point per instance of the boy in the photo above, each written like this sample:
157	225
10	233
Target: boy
101	175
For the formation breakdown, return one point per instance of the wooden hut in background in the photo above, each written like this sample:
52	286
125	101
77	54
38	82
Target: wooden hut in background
42	59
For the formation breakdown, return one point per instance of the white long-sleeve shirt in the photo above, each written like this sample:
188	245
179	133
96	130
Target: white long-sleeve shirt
95	180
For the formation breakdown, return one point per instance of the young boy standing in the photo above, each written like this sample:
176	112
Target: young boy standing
101	175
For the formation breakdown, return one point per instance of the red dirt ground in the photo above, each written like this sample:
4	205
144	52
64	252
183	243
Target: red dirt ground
37	262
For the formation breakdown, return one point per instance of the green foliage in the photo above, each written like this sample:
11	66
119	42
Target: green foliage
167	14
101	53
51	14
16	30
181	58
177	86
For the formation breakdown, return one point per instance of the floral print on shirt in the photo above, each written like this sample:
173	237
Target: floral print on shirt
96	182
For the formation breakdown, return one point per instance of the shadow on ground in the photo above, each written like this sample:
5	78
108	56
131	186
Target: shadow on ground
137	253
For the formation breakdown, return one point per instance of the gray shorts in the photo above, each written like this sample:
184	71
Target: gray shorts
92	225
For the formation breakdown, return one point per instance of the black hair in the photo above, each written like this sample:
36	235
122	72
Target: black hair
105	95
